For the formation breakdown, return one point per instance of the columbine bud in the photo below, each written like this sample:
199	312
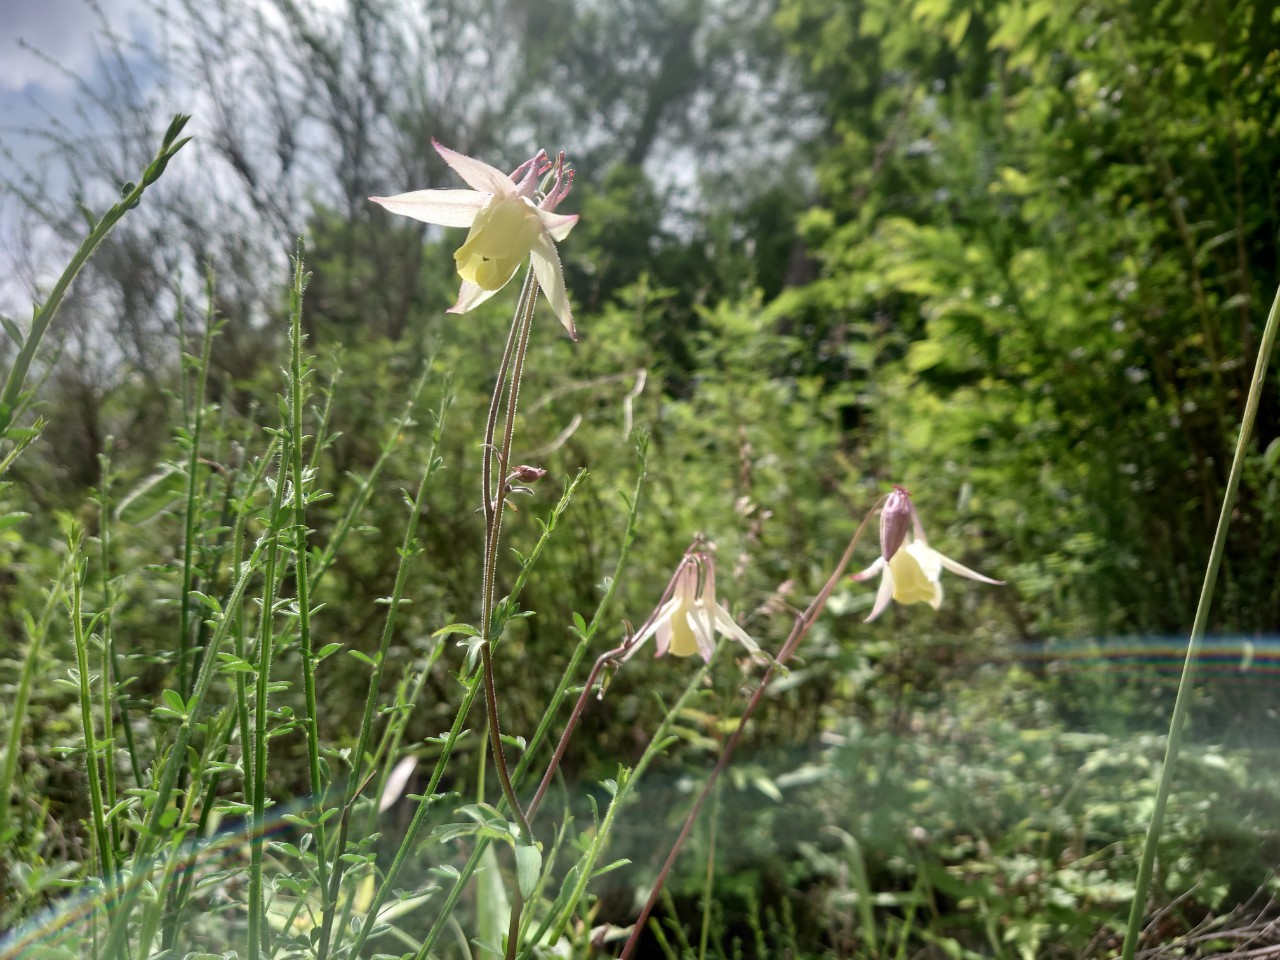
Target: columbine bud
527	474
895	518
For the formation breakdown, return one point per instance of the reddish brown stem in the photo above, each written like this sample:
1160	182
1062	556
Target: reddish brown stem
803	622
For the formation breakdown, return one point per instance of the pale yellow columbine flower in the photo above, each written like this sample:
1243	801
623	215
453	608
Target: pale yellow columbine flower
510	219
688	622
913	571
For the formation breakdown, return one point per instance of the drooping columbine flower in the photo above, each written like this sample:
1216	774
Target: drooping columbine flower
687	623
510	219
912	571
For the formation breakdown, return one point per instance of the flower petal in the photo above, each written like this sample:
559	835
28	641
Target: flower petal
703	631
686	634
470	296
870	572
546	266
883	595
926	558
448	208
477	173
709	585
962	570
916	569
663	637
936	601
557	224
726	626
660	624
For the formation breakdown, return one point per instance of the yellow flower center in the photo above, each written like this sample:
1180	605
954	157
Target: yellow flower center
501	237
911	583
684	642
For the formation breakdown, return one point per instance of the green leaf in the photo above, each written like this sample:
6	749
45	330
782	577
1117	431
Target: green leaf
12	520
11	328
493	909
463	628
1272	455
174	700
154	494
958	27
528	867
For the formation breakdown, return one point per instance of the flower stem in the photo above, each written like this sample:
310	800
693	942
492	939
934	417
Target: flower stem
803	622
510	372
1183	700
601	662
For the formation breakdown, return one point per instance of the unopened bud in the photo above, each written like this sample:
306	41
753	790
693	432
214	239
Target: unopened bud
895	517
527	474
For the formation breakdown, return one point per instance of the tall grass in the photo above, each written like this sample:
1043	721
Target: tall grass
1181	706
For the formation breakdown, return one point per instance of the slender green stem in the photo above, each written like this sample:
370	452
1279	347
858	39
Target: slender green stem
257	928
429	798
299	371
490	506
36	633
657	743
166	779
92	746
107	695
364	490
557	698
195	429
239	628
329	392
1183	700
495	501
193	402
165	911
105	521
408	551
708	882
11	400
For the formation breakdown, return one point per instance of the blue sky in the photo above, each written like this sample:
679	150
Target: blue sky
65	31
44	46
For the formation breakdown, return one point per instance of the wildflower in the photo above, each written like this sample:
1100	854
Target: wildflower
509	218
687	623
910	570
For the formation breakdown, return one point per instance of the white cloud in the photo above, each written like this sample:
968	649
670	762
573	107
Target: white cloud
46	43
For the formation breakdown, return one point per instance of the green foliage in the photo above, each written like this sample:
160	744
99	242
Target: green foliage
1029	290
1051	279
